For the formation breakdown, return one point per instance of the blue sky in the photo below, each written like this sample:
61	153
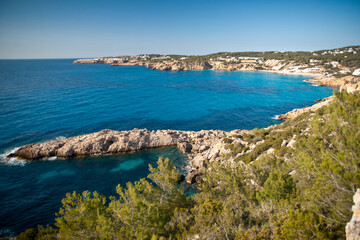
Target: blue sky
72	29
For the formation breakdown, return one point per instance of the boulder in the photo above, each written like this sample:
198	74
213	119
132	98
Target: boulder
191	177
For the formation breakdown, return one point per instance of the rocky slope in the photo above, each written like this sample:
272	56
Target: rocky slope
353	227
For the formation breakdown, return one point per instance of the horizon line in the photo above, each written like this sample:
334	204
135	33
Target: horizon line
54	58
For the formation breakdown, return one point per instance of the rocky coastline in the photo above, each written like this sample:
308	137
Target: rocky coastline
201	146
272	66
348	83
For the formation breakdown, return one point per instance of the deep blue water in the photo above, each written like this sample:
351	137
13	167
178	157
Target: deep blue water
44	99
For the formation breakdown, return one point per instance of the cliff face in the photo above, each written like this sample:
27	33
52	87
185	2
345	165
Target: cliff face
353	227
186	66
178	66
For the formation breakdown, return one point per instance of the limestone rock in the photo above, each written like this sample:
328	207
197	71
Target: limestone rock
178	66
350	87
199	146
353	227
191	177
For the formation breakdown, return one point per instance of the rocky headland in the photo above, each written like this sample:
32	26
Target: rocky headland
199	146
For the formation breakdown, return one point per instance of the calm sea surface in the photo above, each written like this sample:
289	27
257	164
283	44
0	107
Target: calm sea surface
46	99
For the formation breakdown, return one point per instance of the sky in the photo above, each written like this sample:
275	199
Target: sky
94	28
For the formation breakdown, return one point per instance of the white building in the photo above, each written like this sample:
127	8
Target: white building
356	72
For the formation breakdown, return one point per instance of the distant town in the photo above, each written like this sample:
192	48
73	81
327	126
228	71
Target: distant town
337	62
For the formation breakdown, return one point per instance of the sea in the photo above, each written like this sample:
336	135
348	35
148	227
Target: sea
42	100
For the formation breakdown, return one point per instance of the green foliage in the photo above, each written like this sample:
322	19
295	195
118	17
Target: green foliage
278	185
41	233
330	157
166	176
297	57
82	216
141	210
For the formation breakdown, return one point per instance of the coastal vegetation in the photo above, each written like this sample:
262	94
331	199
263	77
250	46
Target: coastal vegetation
341	55
295	182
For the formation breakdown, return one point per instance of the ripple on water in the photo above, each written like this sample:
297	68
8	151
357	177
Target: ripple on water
128	165
53	174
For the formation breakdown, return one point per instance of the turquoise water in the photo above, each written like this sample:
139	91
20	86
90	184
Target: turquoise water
45	99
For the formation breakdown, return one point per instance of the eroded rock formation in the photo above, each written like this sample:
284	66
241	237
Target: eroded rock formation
353	227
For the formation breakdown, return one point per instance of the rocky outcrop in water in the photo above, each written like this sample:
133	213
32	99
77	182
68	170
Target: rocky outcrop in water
353	227
201	146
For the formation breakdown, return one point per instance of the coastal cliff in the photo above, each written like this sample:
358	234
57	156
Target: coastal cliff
322	63
275	66
179	66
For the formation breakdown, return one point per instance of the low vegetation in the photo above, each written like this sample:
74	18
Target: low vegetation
322	57
303	191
